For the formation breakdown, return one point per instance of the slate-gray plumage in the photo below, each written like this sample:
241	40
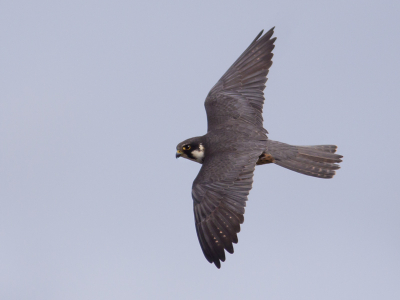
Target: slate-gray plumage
235	143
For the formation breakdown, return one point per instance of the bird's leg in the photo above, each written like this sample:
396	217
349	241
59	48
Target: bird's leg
265	158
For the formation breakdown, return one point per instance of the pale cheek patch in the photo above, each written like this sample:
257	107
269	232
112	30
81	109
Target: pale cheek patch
199	154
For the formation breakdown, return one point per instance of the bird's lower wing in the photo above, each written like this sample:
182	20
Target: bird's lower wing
219	194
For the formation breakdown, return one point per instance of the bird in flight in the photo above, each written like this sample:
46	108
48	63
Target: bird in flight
234	144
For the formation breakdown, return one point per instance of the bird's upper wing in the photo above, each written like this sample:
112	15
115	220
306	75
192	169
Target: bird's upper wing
239	93
219	194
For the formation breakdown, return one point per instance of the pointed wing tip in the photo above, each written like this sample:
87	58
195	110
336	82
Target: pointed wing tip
217	264
258	36
270	32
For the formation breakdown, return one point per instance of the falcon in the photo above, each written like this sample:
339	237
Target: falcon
234	144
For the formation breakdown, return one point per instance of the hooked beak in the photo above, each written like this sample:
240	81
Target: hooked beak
178	154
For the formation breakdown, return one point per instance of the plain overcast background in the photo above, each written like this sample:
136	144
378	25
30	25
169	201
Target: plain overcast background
94	97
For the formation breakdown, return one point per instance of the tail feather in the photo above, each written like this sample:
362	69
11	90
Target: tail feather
318	155
318	161
306	169
323	148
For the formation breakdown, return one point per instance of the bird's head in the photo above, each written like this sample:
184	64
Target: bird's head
192	149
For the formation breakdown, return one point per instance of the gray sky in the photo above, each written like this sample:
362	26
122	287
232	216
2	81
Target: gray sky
94	97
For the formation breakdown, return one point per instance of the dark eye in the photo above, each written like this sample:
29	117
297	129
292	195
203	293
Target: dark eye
187	147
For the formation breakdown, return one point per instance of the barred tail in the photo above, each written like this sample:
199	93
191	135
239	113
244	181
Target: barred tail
318	161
